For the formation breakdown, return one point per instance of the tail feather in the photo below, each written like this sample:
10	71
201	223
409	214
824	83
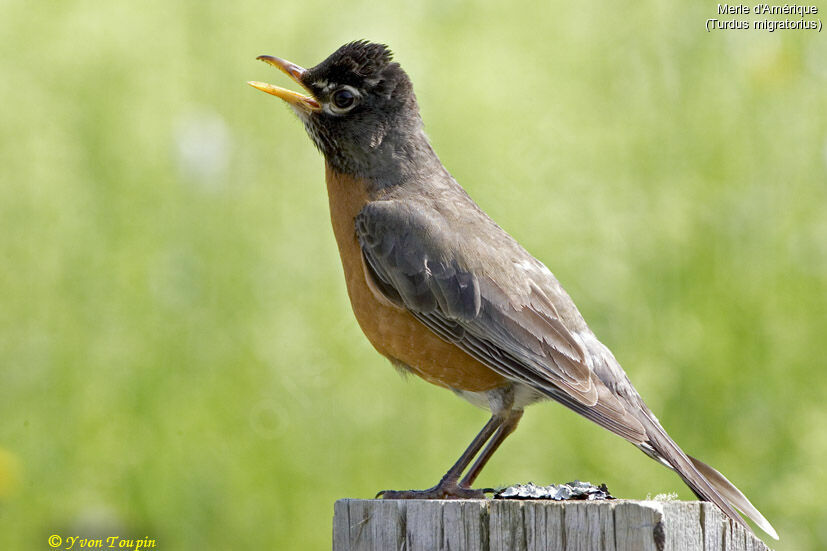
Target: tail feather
707	483
732	494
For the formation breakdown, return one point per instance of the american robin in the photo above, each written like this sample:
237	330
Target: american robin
442	291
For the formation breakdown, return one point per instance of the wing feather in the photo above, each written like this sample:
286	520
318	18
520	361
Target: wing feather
419	263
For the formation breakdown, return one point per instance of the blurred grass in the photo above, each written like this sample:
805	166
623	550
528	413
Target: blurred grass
178	358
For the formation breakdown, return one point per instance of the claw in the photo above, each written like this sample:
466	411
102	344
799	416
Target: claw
437	492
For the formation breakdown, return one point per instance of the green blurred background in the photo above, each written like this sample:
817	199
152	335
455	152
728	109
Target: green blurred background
178	358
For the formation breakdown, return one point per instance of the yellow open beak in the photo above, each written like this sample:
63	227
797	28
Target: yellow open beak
306	103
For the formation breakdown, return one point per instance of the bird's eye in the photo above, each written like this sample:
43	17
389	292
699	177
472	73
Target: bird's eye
343	99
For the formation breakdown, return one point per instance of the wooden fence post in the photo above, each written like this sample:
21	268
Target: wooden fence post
527	525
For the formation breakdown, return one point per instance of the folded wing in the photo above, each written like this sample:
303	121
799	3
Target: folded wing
499	308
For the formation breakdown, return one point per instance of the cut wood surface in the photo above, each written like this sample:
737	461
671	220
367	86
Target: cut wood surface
525	525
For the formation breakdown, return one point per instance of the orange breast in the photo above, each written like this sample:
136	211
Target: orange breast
394	332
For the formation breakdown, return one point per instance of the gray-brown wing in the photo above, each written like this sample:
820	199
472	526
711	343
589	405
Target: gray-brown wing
446	281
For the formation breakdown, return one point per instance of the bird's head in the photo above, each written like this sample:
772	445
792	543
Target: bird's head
359	107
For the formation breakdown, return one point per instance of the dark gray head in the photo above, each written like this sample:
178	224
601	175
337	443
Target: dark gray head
361	111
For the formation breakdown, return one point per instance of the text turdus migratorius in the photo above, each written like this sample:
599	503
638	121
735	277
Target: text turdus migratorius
442	291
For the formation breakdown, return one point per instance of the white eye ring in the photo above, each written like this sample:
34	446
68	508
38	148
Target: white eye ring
343	99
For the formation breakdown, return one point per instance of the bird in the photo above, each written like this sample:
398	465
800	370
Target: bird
443	292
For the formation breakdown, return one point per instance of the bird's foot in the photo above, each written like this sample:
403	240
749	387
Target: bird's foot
440	491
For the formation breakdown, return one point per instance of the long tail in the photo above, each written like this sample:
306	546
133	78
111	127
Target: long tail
707	483
732	494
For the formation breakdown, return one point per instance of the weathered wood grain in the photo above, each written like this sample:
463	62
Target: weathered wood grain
517	525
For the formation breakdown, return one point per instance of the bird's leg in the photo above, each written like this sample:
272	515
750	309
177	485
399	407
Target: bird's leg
506	428
449	486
